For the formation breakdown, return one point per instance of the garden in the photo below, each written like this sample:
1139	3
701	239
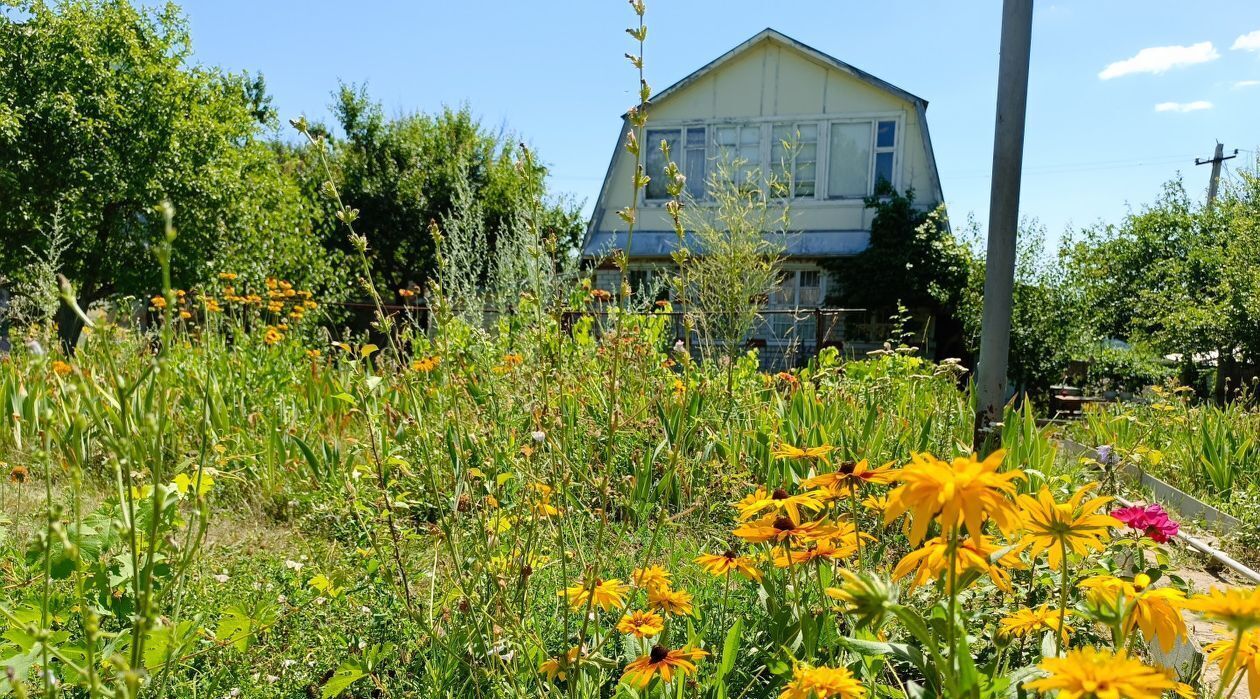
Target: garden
507	482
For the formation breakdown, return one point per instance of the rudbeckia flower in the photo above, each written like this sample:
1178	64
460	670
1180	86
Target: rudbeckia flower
787	451
1247	659
930	561
823	683
605	594
1074	525
1156	611
1090	673
777	500
676	602
728	563
780	529
852	474
641	624
1237	608
1026	621
964	492
650	577
662	661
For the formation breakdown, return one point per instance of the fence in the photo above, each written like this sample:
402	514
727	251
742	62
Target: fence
783	338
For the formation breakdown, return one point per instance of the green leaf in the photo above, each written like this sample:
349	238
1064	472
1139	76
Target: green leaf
347	673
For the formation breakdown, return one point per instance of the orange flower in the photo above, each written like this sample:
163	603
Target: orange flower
727	563
662	661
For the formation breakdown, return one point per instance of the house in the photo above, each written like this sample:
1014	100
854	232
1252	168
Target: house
846	129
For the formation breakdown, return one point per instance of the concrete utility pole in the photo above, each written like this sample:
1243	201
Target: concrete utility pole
1217	158
1008	161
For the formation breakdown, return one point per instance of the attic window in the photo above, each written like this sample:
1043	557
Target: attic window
860	155
794	158
686	149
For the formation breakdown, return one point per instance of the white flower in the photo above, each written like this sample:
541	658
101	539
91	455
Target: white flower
292	565
538	436
221	577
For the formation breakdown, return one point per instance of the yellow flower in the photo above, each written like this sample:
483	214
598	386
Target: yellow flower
641	624
1090	673
650	577
842	544
559	667
1154	610
1237	608
1075	525
850	475
876	503
272	336
158	302
605	594
778	500
780	529
728	563
974	554
964	492
823	683
60	368
425	365
212	306
676	602
663	661
787	451
227	276
1246	660
1026	621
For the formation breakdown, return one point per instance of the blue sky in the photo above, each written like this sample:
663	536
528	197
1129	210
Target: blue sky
1123	94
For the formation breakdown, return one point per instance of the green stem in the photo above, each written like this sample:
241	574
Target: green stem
1060	636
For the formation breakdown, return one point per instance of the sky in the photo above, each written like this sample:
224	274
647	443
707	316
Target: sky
1123	94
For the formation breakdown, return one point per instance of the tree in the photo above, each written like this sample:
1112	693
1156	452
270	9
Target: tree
912	258
401	174
1048	328
1180	275
101	117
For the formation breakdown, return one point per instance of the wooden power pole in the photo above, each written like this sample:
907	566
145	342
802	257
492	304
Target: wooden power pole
1217	158
1008	161
1224	355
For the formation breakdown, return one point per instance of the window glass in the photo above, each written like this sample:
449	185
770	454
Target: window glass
794	158
887	134
695	165
657	186
848	171
884	167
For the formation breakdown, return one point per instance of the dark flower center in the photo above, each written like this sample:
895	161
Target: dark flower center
848	467
659	653
729	555
784	524
779	494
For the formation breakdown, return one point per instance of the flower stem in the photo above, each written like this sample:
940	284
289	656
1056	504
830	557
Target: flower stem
1229	666
1060	637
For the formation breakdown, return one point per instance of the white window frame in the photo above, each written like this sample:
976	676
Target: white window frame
678	154
766	126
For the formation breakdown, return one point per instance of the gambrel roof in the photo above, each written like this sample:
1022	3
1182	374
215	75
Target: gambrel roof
774	35
832	243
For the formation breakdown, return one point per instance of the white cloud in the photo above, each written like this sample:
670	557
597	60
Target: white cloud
1245	83
1159	59
1247	42
1197	105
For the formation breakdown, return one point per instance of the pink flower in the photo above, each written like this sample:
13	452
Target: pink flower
1152	521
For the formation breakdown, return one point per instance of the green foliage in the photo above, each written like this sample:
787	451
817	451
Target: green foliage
1127	369
403	174
913	259
1179	275
1048	316
104	116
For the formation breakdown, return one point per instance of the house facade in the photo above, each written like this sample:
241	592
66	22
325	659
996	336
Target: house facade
825	130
